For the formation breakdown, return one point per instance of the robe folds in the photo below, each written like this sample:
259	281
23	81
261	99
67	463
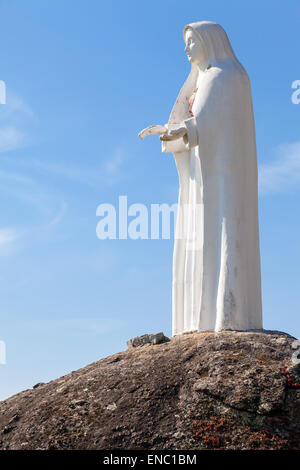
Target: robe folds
216	259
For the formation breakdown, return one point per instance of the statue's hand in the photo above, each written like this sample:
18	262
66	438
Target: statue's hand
151	130
174	134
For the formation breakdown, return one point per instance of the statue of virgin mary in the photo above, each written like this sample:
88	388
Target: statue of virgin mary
216	260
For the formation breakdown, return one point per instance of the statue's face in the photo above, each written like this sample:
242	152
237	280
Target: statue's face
194	48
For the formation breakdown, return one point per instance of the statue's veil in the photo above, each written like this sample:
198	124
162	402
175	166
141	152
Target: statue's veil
214	39
218	48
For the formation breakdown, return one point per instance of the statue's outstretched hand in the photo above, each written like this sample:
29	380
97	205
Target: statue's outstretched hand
174	134
151	130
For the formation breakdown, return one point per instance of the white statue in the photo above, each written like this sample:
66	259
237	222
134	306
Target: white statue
216	261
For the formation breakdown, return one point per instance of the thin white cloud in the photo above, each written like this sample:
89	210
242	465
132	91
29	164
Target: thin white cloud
7	235
11	139
7	238
15	117
15	108
112	166
283	173
110	171
49	207
29	190
59	216
14	177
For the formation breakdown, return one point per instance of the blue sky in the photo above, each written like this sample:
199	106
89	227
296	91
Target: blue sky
83	78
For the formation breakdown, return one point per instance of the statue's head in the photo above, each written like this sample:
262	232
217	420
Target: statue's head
206	42
194	48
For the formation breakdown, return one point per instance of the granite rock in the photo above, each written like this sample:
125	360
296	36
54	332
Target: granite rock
228	390
156	338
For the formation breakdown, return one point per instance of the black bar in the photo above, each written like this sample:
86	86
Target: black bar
140	458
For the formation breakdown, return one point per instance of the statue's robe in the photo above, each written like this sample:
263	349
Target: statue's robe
216	260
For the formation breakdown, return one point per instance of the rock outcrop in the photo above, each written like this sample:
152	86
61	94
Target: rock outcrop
157	338
228	390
